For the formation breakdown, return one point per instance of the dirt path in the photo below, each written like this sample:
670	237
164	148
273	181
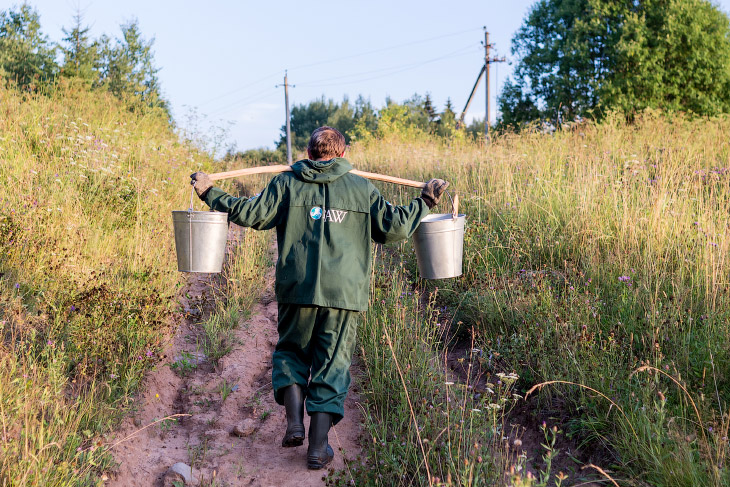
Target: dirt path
237	395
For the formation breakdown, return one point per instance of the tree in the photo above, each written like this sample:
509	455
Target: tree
517	105
584	57
128	69
366	119
429	109
449	108
26	56
673	55
306	118
446	124
343	119
81	56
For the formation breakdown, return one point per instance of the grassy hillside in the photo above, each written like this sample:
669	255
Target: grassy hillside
87	274
598	256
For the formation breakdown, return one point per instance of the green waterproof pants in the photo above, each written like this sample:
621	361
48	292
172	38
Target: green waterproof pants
315	351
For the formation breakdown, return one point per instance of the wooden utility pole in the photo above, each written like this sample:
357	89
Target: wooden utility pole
288	120
286	86
460	122
487	61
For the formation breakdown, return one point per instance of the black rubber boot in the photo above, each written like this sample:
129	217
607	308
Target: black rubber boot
320	452
294	404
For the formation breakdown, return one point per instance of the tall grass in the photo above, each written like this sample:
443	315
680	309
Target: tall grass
87	274
423	426
241	288
589	254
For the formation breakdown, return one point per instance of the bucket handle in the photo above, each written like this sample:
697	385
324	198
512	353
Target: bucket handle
454	205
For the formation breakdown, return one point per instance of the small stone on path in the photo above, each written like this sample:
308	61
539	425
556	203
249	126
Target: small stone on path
180	472
245	428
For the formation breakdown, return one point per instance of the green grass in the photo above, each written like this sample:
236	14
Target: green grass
241	289
588	254
596	258
87	274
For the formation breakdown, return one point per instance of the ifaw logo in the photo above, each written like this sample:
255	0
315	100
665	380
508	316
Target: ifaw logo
336	216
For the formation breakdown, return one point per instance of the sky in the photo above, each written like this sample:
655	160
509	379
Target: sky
220	61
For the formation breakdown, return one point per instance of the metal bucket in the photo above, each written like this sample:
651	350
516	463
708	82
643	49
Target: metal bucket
439	243
200	240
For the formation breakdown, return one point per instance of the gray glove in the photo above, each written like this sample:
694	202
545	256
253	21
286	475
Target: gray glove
201	182
431	194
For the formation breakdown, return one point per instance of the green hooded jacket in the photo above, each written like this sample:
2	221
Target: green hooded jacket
325	219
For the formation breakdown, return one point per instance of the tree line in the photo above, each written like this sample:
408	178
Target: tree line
360	120
586	58
123	65
575	59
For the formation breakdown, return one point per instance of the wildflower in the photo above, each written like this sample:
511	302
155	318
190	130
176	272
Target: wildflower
508	378
149	353
113	376
17	285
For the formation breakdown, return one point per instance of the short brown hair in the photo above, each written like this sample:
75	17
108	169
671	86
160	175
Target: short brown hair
326	143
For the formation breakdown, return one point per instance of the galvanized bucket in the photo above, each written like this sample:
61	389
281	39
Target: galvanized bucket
439	243
200	240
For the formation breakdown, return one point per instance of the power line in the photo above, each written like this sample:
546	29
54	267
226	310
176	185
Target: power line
241	88
239	107
302	66
247	100
398	46
390	71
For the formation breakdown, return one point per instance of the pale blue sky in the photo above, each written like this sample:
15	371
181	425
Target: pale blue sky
225	57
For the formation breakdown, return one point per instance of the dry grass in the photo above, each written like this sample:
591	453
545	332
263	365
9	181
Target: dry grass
87	274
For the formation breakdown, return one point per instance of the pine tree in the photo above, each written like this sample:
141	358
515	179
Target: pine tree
429	109
81	56
128	69
26	56
449	108
446	123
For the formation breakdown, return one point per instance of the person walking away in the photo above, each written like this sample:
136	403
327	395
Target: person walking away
326	220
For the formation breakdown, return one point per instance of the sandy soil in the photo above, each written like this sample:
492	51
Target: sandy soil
204	439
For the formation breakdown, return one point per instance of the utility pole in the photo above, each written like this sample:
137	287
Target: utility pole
288	117
487	61
460	122
288	120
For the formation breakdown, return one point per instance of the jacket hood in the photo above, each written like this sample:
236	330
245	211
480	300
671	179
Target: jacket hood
321	172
